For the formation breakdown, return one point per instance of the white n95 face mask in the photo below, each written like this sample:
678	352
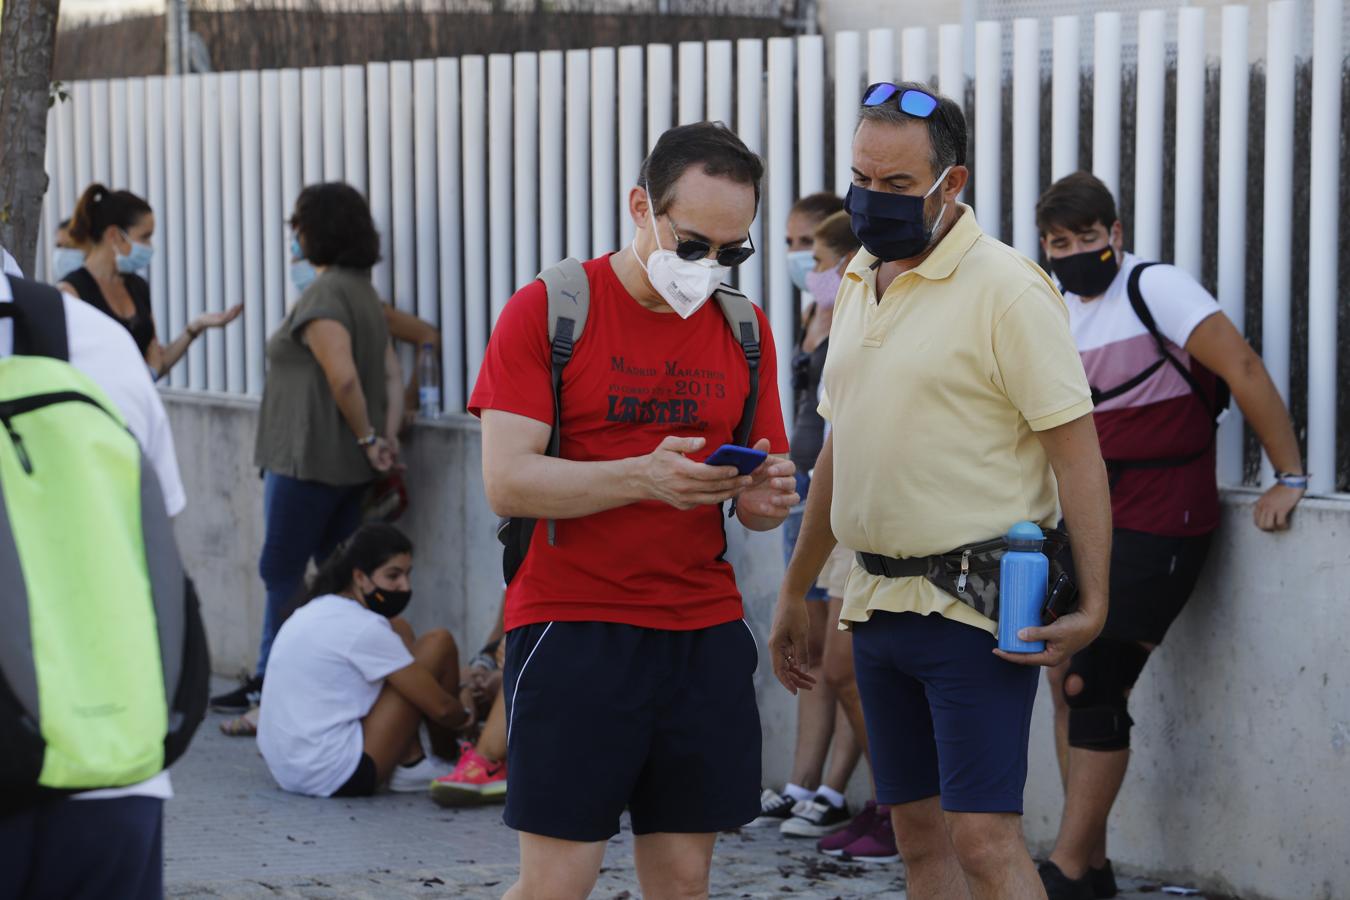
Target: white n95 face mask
685	284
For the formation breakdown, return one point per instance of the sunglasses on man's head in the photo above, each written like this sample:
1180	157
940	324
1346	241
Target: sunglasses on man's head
919	104
696	248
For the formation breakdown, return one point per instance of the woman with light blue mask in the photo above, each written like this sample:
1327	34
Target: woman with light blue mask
113	230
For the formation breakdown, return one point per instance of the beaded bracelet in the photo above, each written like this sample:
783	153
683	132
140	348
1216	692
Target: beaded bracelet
1292	480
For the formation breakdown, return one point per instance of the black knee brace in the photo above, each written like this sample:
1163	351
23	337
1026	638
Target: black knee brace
1098	718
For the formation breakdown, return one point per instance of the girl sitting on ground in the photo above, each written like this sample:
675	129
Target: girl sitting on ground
349	686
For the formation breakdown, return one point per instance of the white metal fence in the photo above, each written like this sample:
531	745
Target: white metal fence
480	169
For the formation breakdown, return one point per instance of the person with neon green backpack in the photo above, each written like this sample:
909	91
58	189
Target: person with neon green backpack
104	669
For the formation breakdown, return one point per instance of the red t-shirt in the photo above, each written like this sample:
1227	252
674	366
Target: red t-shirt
636	377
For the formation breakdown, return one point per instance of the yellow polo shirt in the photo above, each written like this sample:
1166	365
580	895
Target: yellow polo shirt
934	395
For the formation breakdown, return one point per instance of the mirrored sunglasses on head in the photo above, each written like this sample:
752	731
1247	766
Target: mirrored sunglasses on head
910	101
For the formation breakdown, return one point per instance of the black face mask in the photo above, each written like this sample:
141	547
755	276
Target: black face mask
891	226
1087	274
386	602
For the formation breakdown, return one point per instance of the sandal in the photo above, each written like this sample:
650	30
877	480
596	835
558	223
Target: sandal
241	726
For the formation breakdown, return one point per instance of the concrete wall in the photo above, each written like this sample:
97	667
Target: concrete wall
1241	773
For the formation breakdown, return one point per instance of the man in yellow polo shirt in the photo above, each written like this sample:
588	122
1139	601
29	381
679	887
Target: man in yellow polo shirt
958	406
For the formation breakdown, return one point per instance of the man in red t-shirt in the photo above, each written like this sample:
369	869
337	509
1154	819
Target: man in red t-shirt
628	662
1155	419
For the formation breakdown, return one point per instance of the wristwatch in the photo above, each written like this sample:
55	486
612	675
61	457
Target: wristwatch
369	439
1292	479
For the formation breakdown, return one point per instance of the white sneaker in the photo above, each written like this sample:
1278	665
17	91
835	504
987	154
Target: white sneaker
418	778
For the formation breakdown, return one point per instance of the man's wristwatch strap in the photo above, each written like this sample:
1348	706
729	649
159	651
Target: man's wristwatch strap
369	439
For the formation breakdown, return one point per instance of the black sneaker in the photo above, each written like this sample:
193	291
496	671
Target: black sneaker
1059	886
774	809
241	699
1103	882
815	818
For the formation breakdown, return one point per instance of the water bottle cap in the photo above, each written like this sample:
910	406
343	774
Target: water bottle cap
1025	536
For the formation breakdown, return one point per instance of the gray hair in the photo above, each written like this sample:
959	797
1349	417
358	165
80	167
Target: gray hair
946	126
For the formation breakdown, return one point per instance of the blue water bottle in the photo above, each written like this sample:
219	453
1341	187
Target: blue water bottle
1024	577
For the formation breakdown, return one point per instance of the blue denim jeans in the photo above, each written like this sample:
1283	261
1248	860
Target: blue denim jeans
305	520
793	527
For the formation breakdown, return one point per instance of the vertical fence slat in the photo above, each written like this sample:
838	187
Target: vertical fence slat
426	193
50	209
451	230
81	137
193	170
1277	214
98	134
311	87
292	175
749	118
118	121
378	143
473	136
810	114
1189	181
1233	118
149	133
989	126
275	254
1148	136
212	232
780	306
1064	100
400	247
177	228
526	141
1026	122
68	143
136	175
552	150
632	143
333	167
880	55
603	180
914	55
501	277
660	71
720	83
354	126
231	247
578	153
691	82
951	59
847	92
1323	252
1106	100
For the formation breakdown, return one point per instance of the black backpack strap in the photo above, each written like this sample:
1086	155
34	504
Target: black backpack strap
569	302
1146	316
39	314
740	315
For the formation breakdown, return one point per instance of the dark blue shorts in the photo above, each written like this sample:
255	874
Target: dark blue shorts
944	714
602	716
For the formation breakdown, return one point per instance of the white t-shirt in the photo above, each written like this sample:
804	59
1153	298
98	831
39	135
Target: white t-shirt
327	667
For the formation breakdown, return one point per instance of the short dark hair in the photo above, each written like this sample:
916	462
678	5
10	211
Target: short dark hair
710	145
818	207
1076	202
946	124
334	226
99	209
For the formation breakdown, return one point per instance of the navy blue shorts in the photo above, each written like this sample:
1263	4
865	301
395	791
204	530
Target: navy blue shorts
602	716
944	714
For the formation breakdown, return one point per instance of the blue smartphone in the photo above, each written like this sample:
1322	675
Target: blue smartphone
745	459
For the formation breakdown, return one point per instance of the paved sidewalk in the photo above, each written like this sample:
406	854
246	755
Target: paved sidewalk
230	832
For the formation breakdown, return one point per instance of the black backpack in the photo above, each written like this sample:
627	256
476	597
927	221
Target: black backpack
1215	402
569	297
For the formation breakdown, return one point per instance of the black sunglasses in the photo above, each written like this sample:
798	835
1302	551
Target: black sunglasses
919	104
696	248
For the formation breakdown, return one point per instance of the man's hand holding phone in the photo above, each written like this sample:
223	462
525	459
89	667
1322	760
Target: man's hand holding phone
772	492
668	475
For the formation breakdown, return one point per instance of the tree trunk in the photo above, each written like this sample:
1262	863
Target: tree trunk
27	37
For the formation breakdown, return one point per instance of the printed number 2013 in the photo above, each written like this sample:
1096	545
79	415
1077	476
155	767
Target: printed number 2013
686	388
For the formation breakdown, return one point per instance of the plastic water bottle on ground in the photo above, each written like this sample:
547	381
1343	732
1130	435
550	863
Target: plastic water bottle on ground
1024	577
429	382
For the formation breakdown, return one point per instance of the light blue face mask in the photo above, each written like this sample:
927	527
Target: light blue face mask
302	273
799	262
64	261
138	259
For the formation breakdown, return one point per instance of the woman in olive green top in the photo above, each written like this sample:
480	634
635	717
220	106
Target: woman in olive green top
331	406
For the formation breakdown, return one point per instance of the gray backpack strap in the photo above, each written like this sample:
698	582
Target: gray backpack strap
569	302
740	315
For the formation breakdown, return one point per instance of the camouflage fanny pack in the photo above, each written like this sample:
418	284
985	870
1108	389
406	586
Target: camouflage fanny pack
971	573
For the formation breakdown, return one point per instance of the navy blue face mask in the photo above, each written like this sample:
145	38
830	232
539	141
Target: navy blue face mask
891	226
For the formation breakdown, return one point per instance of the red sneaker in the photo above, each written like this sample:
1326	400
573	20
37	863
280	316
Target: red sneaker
877	845
474	781
863	822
